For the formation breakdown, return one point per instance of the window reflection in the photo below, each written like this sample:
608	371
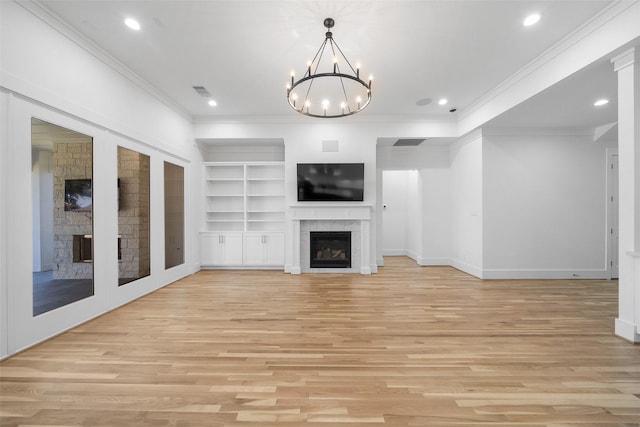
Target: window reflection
134	256
173	215
62	173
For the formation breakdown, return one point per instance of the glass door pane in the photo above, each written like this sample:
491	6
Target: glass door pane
173	215
62	194
134	246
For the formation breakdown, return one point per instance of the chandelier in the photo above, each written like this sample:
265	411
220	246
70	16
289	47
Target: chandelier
330	86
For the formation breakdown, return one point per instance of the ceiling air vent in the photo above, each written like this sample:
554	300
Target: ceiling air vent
202	91
408	142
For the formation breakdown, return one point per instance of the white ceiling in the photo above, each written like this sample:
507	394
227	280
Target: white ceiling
242	51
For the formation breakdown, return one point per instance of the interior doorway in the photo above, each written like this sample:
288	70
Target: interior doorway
401	213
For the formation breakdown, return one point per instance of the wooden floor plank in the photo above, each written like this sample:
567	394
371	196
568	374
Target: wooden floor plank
409	346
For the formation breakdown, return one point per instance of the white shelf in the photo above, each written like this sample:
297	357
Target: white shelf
244	196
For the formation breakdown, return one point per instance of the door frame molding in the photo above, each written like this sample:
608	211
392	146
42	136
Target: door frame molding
611	192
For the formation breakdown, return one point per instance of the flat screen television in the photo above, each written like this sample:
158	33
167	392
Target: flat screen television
77	195
329	182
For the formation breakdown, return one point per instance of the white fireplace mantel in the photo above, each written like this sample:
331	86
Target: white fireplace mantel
333	212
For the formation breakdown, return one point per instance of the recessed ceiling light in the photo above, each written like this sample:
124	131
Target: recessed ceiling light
424	101
531	19
443	101
601	102
132	23
212	103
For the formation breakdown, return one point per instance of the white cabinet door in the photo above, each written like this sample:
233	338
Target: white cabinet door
274	248
221	249
264	249
232	248
210	249
253	249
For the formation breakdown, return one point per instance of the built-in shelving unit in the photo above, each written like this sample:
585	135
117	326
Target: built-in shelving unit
265	204
244	196
244	200
224	193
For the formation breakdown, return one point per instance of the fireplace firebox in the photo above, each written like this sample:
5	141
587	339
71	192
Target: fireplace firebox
330	249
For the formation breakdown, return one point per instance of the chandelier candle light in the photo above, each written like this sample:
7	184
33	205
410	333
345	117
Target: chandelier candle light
329	92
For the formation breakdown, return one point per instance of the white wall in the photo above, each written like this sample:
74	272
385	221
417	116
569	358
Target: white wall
4	137
240	151
466	204
413	223
544	206
436	216
45	74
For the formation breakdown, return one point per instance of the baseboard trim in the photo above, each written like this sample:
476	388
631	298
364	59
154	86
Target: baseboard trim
627	330
395	252
545	274
434	261
469	269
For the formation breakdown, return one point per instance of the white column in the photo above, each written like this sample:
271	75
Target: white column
295	267
365	249
627	66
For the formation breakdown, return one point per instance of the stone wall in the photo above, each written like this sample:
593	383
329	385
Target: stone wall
133	214
72	160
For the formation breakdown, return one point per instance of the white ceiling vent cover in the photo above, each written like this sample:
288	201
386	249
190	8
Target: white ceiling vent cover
409	142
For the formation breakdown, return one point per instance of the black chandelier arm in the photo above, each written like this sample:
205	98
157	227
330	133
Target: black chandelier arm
357	72
310	76
317	56
336	69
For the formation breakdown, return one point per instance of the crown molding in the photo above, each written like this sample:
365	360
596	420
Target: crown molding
604	16
625	59
46	15
466	139
537	132
300	119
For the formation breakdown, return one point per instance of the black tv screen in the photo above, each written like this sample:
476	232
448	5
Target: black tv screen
77	195
326	182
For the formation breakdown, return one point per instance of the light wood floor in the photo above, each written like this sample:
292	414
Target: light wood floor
409	346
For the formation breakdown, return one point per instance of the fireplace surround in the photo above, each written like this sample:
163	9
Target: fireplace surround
305	218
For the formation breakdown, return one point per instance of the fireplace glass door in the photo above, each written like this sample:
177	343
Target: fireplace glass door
330	249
